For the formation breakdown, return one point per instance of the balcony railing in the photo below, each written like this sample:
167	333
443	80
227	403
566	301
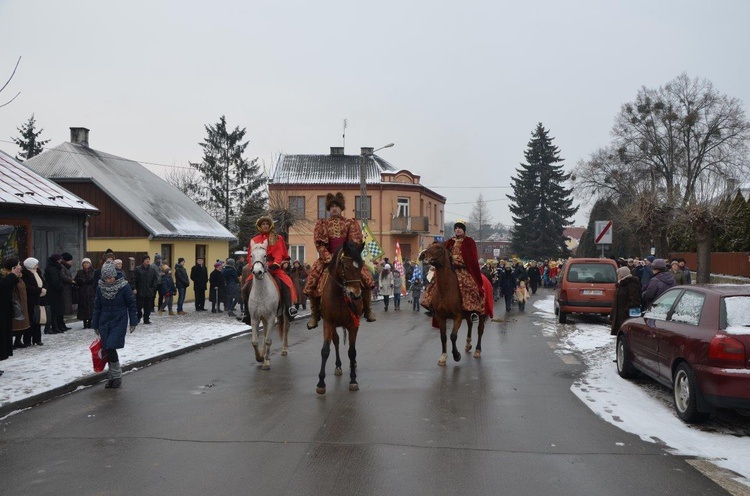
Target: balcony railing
410	224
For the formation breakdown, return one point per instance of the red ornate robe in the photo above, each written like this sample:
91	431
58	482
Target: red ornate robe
330	235
466	262
276	252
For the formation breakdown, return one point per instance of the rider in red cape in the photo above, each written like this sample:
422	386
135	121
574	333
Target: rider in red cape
465	258
330	234
276	253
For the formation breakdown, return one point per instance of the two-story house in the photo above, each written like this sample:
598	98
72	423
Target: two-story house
397	209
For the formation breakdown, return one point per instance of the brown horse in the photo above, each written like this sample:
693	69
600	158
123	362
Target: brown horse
446	303
341	306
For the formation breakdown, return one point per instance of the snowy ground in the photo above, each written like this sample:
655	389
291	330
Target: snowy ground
643	407
65	358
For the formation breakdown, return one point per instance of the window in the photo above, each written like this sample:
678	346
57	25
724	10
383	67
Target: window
688	310
297	206
367	207
402	207
297	252
322	212
592	272
200	252
434	215
661	307
166	254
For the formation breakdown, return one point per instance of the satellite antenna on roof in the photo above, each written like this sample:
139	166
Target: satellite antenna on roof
343	136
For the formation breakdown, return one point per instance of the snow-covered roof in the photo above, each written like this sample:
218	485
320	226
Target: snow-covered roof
329	169
21	186
162	209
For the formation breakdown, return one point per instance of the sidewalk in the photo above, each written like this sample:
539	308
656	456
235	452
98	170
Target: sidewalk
40	373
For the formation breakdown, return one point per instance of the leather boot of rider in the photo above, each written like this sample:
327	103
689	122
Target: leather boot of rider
314	312
367	305
286	300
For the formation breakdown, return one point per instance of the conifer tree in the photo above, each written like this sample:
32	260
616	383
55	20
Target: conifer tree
228	179
541	205
29	141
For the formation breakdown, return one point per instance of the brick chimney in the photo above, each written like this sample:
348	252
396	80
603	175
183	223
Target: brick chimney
337	150
79	136
367	150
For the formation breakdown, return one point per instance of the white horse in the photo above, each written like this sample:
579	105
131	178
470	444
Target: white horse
263	305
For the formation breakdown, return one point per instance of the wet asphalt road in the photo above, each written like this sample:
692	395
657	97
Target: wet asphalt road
212	422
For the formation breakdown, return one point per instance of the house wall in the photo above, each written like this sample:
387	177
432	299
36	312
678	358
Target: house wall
384	197
113	220
179	248
51	232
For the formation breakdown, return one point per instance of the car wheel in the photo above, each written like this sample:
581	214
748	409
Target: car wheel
562	317
685	390
625	367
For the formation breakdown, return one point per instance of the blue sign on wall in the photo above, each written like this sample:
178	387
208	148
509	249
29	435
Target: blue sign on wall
439	239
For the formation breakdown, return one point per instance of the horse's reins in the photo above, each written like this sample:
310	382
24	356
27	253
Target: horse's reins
343	284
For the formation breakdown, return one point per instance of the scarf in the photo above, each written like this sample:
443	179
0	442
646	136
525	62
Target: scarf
109	291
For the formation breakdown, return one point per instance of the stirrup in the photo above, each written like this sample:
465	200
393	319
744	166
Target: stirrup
292	312
474	317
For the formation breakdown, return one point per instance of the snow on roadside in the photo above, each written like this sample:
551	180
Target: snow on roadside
632	408
65	358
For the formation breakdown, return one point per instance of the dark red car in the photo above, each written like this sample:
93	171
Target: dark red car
695	340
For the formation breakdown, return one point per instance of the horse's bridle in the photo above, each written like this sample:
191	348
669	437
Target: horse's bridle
343	284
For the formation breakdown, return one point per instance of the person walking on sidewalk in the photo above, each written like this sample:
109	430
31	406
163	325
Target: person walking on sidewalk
396	289
182	283
114	306
386	285
199	276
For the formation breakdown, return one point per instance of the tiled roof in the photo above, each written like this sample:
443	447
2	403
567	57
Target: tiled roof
21	186
328	169
574	232
163	210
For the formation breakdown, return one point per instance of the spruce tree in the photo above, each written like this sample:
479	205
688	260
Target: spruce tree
229	180
540	203
29	141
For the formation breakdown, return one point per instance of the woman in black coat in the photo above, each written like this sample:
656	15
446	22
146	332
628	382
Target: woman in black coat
11	276
54	280
217	289
627	296
84	279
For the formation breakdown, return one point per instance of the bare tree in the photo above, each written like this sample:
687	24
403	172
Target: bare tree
186	179
676	151
480	217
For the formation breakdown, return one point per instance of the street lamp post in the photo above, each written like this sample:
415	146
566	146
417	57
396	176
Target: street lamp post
363	202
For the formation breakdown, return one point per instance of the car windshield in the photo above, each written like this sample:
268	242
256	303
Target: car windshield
737	311
592	272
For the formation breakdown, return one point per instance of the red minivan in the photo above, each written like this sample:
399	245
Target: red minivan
585	285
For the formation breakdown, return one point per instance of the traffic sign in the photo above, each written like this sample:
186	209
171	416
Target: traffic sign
603	230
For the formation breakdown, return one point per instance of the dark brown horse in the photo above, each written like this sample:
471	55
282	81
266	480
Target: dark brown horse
341	306
446	302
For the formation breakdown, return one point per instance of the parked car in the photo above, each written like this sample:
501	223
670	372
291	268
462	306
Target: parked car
695	340
585	285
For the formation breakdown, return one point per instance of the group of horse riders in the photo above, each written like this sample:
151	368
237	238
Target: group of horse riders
333	232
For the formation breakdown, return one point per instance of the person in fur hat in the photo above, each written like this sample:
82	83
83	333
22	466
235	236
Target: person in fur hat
465	257
330	234
276	254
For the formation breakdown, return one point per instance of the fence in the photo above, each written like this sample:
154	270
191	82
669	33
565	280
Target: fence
727	263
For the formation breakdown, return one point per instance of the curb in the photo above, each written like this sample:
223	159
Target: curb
96	378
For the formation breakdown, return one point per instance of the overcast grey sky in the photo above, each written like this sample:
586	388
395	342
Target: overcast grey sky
458	86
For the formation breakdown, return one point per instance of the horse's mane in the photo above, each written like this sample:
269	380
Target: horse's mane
350	249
